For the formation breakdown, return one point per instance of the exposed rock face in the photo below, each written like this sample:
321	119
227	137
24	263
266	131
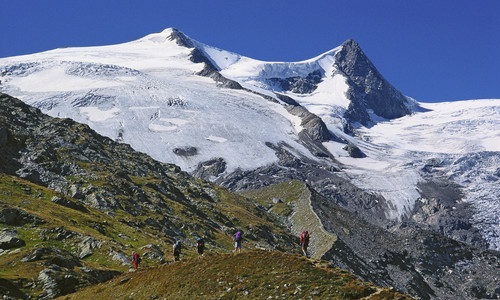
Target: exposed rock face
442	210
186	151
298	85
210	169
323	178
70	204
16	217
354	151
9	239
368	89
418	262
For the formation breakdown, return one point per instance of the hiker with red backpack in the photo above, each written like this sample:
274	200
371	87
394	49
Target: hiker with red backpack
304	241
136	259
237	242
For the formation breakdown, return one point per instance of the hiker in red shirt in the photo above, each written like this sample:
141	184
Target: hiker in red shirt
304	241
136	259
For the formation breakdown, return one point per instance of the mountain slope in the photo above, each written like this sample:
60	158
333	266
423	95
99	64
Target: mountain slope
112	200
418	262
250	275
244	124
75	205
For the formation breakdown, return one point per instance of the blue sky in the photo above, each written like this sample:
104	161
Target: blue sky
430	50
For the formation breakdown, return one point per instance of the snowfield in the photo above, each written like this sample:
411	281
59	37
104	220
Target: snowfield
145	93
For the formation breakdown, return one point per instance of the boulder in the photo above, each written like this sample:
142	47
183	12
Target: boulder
87	246
70	204
9	239
16	217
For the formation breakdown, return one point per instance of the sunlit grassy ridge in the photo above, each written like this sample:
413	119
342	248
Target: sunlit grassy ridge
249	275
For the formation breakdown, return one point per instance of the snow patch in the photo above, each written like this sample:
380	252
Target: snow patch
94	114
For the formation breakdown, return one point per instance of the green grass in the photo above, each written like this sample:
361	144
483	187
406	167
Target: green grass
250	275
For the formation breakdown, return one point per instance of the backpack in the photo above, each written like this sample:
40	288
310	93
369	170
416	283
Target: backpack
304	237
237	237
136	257
200	242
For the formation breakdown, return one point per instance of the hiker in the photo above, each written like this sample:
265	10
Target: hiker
136	259
237	242
177	250
304	241
200	246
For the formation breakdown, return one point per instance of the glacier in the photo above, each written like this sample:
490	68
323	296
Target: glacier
147	93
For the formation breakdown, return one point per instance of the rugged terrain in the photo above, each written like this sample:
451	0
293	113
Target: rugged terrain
421	263
332	121
383	181
75	205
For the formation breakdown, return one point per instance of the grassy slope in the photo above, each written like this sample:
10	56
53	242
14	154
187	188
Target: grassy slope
296	210
253	275
116	234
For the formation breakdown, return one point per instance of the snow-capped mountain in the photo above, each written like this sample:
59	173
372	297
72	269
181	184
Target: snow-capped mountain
332	121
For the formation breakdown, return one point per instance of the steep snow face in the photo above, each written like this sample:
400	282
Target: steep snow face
325	92
464	139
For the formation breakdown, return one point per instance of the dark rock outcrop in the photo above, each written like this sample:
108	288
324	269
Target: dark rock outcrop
354	151
17	217
368	90
422	263
9	239
210	168
186	151
70	204
298	85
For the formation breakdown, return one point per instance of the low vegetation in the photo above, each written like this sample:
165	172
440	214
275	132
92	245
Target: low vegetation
250	275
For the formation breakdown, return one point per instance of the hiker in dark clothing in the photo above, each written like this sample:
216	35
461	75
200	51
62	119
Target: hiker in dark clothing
237	242
136	259
177	250
200	246
304	241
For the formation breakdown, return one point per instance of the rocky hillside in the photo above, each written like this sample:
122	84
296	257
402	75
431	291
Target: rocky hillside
250	275
421	263
75	205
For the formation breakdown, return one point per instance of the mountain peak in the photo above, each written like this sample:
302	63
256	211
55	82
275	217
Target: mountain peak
369	89
179	37
170	34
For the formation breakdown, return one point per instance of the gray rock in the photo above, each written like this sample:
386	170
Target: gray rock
354	151
56	283
53	257
70	204
186	151
119	256
17	217
210	168
368	90
87	246
9	239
